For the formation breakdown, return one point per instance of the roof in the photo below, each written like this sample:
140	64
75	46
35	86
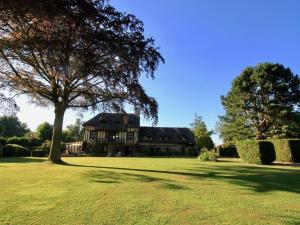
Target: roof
114	121
166	135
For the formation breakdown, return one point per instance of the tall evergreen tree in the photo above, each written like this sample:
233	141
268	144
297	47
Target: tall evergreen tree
202	134
263	102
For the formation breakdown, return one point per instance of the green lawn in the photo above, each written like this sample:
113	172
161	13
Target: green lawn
146	191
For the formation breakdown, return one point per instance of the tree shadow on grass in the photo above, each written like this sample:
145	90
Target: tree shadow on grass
21	160
112	177
258	179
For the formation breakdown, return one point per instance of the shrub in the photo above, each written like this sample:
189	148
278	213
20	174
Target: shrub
207	156
22	141
287	150
227	150
95	149
12	150
256	152
1	153
39	153
2	141
190	151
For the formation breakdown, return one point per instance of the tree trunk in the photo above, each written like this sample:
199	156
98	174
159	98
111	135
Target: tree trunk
55	150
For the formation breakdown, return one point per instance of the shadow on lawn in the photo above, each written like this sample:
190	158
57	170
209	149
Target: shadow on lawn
258	179
21	160
111	177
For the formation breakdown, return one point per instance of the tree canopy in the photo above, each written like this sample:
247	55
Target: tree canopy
44	131
11	126
75	54
202	134
263	103
73	132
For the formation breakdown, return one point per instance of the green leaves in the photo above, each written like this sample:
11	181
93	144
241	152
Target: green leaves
262	103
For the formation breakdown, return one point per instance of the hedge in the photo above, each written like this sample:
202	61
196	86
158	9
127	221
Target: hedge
22	141
287	150
256	152
227	150
2	141
12	150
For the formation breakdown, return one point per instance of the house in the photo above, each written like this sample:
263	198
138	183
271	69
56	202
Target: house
122	132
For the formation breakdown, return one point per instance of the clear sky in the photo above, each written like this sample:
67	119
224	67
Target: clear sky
206	43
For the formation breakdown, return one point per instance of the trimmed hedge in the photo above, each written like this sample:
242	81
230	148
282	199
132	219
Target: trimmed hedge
22	141
256	152
287	150
12	150
227	150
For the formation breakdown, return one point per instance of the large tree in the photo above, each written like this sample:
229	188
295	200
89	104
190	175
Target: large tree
73	132
263	103
75	54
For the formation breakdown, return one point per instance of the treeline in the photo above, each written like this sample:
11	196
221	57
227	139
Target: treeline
16	139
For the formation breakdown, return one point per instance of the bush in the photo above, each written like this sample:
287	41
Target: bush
287	150
207	156
256	152
22	141
94	149
227	150
39	153
1	153
12	150
190	151
2	141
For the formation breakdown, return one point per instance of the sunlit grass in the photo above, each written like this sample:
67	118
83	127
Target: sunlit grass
146	191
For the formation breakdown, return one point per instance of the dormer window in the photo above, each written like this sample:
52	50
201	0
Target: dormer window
181	138
163	138
147	138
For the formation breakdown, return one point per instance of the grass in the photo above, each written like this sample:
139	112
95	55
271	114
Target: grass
146	191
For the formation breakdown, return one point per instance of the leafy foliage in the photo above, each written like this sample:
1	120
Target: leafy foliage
75	54
207	156
256	152
44	131
73	132
11	126
202	134
287	150
263	102
12	150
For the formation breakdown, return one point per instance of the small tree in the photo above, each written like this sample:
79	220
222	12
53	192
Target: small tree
44	131
75	54
73	132
202	134
263	102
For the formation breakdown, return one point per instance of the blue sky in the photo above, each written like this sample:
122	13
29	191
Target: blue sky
206	43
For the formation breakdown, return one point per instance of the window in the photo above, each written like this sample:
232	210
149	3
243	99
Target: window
93	135
164	138
147	138
181	138
130	136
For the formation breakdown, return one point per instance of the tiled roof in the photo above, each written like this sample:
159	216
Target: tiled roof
114	121
166	135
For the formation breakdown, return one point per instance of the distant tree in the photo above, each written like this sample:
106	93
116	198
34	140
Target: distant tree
263	102
73	132
75	54
44	131
202	134
11	126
